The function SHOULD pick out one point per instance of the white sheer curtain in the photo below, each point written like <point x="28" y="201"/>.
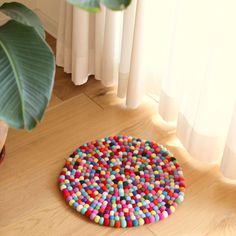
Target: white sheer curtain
<point x="183" y="51"/>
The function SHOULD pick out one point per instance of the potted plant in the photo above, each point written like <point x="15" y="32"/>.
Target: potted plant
<point x="27" y="70"/>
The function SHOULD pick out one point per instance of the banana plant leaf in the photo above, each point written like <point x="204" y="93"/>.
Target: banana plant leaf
<point x="116" y="5"/>
<point x="27" y="70"/>
<point x="95" y="5"/>
<point x="24" y="15"/>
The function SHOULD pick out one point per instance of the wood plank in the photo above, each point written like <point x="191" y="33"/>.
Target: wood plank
<point x="54" y="101"/>
<point x="81" y="107"/>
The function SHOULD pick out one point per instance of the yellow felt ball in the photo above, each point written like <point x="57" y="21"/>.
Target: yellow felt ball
<point x="71" y="202"/>
<point x="126" y="210"/>
<point x="172" y="209"/>
<point x="153" y="213"/>
<point x="141" y="221"/>
<point x="96" y="219"/>
<point x="139" y="204"/>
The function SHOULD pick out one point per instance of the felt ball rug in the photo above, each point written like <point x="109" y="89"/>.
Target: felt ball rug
<point x="122" y="181"/>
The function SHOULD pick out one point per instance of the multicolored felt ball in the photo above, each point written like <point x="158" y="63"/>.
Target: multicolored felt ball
<point x="122" y="181"/>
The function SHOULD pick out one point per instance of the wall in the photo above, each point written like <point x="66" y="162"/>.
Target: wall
<point x="48" y="11"/>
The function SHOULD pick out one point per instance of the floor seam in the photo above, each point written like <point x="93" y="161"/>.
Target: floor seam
<point x="151" y="231"/>
<point x="67" y="100"/>
<point x="91" y="99"/>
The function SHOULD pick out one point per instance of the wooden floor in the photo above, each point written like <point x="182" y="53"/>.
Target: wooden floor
<point x="31" y="204"/>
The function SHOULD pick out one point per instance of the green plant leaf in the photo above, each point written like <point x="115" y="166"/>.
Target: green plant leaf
<point x="24" y="15"/>
<point x="89" y="5"/>
<point x="116" y="5"/>
<point x="94" y="5"/>
<point x="27" y="71"/>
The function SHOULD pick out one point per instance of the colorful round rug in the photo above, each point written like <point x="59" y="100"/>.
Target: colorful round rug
<point x="122" y="181"/>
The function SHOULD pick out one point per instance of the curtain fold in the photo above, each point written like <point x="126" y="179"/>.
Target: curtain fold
<point x="126" y="52"/>
<point x="229" y="158"/>
<point x="82" y="50"/>
<point x="183" y="52"/>
<point x="111" y="47"/>
<point x="64" y="37"/>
